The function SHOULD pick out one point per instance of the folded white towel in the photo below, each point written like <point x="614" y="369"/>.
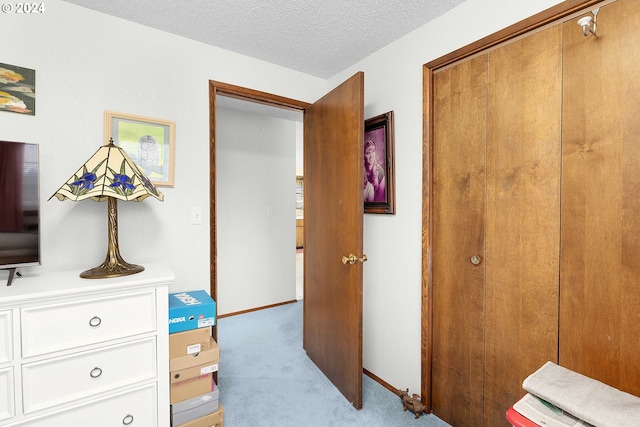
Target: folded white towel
<point x="583" y="397"/>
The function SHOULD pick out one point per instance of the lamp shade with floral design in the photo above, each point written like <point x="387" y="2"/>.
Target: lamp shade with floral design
<point x="109" y="175"/>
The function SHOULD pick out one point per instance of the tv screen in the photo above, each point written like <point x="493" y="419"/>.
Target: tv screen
<point x="19" y="205"/>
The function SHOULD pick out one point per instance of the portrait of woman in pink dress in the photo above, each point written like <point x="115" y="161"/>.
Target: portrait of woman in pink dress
<point x="374" y="173"/>
<point x="378" y="179"/>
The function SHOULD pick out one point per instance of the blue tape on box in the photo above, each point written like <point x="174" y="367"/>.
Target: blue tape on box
<point x="191" y="310"/>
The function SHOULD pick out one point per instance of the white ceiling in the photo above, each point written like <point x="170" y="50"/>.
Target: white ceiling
<point x="317" y="37"/>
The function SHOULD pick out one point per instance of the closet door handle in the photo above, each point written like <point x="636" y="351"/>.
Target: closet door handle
<point x="476" y="260"/>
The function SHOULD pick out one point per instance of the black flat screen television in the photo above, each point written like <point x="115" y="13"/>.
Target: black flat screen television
<point x="19" y="206"/>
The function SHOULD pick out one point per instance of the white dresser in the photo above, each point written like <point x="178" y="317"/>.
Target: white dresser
<point x="85" y="352"/>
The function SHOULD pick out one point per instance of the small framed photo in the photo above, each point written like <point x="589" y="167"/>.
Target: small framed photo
<point x="379" y="170"/>
<point x="149" y="142"/>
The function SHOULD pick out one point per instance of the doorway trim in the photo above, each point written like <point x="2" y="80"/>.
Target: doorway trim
<point x="526" y="26"/>
<point x="245" y="94"/>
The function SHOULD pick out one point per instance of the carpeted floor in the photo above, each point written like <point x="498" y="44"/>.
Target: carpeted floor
<point x="267" y="380"/>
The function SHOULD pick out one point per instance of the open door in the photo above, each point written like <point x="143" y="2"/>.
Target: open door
<point x="333" y="211"/>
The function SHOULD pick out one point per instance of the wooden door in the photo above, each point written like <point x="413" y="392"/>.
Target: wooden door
<point x="458" y="234"/>
<point x="524" y="89"/>
<point x="496" y="226"/>
<point x="600" y="270"/>
<point x="333" y="212"/>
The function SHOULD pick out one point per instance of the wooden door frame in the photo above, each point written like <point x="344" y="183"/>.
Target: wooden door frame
<point x="549" y="16"/>
<point x="250" y="95"/>
<point x="245" y="94"/>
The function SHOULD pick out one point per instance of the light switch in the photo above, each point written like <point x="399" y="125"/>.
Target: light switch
<point x="196" y="215"/>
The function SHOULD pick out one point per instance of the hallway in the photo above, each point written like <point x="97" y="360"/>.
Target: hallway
<point x="299" y="274"/>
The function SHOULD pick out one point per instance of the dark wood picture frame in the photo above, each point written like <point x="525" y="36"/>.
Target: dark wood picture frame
<point x="379" y="167"/>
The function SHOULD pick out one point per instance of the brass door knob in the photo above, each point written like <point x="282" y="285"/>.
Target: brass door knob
<point x="352" y="259"/>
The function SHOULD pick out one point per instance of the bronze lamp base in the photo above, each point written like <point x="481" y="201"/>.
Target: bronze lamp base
<point x="106" y="270"/>
<point x="114" y="265"/>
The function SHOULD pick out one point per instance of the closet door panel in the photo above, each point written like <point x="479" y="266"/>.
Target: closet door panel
<point x="458" y="235"/>
<point x="523" y="215"/>
<point x="600" y="271"/>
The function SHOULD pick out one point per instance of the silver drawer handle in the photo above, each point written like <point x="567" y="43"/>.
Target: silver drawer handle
<point x="95" y="372"/>
<point x="127" y="420"/>
<point x="95" y="321"/>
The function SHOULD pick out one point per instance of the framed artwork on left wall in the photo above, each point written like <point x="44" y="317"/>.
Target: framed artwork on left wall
<point x="17" y="89"/>
<point x="149" y="142"/>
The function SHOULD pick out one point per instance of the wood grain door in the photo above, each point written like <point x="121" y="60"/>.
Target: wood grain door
<point x="600" y="270"/>
<point x="459" y="165"/>
<point x="524" y="88"/>
<point x="333" y="211"/>
<point x="496" y="227"/>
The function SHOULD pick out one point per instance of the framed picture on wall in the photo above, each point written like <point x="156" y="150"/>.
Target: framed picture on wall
<point x="379" y="171"/>
<point x="17" y="89"/>
<point x="149" y="142"/>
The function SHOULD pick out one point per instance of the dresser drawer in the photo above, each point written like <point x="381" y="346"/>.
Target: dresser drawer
<point x="137" y="408"/>
<point x="50" y="328"/>
<point x="6" y="337"/>
<point x="6" y="394"/>
<point x="63" y="379"/>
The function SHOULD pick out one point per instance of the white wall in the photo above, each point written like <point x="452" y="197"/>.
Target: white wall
<point x="393" y="244"/>
<point x="86" y="63"/>
<point x="256" y="171"/>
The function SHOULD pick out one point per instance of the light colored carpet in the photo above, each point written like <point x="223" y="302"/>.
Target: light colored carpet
<point x="267" y="380"/>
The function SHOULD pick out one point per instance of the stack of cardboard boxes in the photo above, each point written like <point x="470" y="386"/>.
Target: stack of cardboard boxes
<point x="193" y="358"/>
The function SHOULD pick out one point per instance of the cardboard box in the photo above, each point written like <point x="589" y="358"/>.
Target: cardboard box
<point x="189" y="342"/>
<point x="212" y="420"/>
<point x="207" y="357"/>
<point x="191" y="310"/>
<point x="198" y="407"/>
<point x="190" y="388"/>
<point x="195" y="371"/>
<point x="188" y="404"/>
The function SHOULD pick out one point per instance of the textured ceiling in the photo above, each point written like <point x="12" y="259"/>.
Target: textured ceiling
<point x="317" y="37"/>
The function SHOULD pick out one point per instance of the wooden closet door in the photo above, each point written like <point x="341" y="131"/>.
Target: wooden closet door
<point x="600" y="271"/>
<point x="523" y="215"/>
<point x="496" y="195"/>
<point x="458" y="234"/>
